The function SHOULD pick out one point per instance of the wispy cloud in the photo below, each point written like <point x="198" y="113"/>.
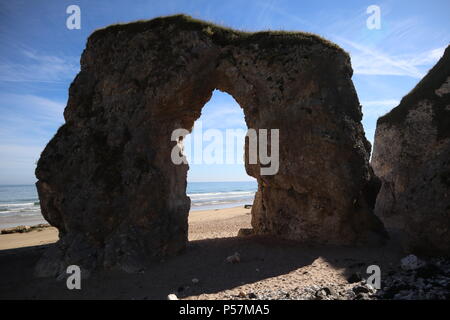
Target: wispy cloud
<point x="370" y="61"/>
<point x="427" y="58"/>
<point x="268" y="9"/>
<point x="37" y="67"/>
<point x="222" y="116"/>
<point x="28" y="122"/>
<point x="372" y="53"/>
<point x="28" y="119"/>
<point x="262" y="16"/>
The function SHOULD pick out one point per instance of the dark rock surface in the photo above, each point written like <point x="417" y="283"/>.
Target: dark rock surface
<point x="106" y="179"/>
<point x="412" y="158"/>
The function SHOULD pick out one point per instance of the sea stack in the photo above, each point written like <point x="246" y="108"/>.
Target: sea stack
<point x="106" y="179"/>
<point x="412" y="159"/>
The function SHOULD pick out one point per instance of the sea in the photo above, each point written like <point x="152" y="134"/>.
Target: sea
<point x="19" y="204"/>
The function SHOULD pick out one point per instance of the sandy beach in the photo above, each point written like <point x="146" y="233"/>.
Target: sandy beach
<point x="266" y="264"/>
<point x="204" y="224"/>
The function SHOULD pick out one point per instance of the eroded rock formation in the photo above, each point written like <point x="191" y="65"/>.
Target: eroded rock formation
<point x="106" y="179"/>
<point x="412" y="158"/>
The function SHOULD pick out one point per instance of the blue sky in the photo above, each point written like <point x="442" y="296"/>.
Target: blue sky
<point x="39" y="57"/>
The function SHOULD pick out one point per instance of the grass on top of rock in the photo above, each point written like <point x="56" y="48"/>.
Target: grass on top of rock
<point x="425" y="90"/>
<point x="219" y="34"/>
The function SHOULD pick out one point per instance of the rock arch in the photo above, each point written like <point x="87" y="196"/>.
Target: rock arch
<point x="106" y="180"/>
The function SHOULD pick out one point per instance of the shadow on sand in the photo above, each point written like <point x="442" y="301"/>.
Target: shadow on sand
<point x="261" y="258"/>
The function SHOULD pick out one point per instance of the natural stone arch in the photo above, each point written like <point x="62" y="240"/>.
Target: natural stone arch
<point x="106" y="180"/>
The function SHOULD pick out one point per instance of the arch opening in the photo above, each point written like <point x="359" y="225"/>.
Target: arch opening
<point x="216" y="178"/>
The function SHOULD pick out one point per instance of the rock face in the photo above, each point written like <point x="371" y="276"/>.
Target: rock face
<point x="106" y="179"/>
<point x="412" y="158"/>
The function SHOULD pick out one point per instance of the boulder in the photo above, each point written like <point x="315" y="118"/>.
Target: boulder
<point x="235" y="258"/>
<point x="245" y="232"/>
<point x="172" y="296"/>
<point x="412" y="158"/>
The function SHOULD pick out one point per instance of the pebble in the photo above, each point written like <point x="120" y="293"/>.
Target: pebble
<point x="411" y="283"/>
<point x="411" y="262"/>
<point x="235" y="258"/>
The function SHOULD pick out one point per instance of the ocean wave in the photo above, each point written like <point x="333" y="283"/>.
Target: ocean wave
<point x="221" y="195"/>
<point x="221" y="202"/>
<point x="27" y="214"/>
<point x="15" y="209"/>
<point x="19" y="200"/>
<point x="18" y="204"/>
<point x="31" y="207"/>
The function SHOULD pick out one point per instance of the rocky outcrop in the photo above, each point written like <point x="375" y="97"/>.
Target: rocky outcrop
<point x="412" y="158"/>
<point x="106" y="179"/>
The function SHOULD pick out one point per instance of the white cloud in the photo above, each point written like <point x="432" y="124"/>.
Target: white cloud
<point x="28" y="122"/>
<point x="427" y="58"/>
<point x="36" y="67"/>
<point x="269" y="7"/>
<point x="28" y="119"/>
<point x="30" y="108"/>
<point x="222" y="116"/>
<point x="370" y="61"/>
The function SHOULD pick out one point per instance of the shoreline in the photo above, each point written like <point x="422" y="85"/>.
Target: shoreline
<point x="202" y="223"/>
<point x="19" y="204"/>
<point x="33" y="220"/>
